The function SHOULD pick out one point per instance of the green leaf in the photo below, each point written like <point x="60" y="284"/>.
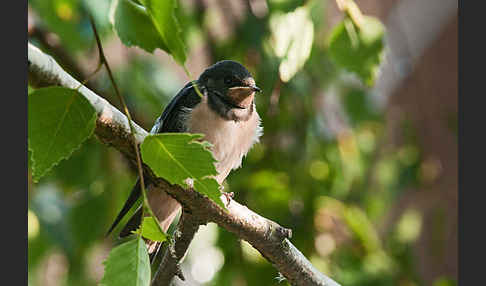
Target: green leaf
<point x="127" y="264"/>
<point x="134" y="26"/>
<point x="292" y="36"/>
<point x="179" y="156"/>
<point x="60" y="119"/>
<point x="150" y="230"/>
<point x="358" y="49"/>
<point x="210" y="188"/>
<point x="362" y="227"/>
<point x="164" y="19"/>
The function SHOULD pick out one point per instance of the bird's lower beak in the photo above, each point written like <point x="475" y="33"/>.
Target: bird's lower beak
<point x="256" y="88"/>
<point x="243" y="96"/>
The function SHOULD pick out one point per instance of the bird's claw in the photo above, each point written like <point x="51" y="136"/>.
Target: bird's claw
<point x="229" y="196"/>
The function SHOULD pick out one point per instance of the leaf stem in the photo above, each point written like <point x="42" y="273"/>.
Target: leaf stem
<point x="352" y="11"/>
<point x="103" y="61"/>
<point x="192" y="82"/>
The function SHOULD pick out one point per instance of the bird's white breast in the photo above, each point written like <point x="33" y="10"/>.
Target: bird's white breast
<point x="231" y="140"/>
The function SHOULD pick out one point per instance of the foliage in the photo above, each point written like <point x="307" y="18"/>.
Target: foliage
<point x="358" y="48"/>
<point x="177" y="157"/>
<point x="60" y="119"/>
<point x="320" y="169"/>
<point x="128" y="19"/>
<point x="162" y="14"/>
<point x="292" y="35"/>
<point x="149" y="230"/>
<point x="128" y="264"/>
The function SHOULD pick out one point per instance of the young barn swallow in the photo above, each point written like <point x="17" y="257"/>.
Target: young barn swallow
<point x="226" y="115"/>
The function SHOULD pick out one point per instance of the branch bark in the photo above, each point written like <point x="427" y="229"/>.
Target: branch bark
<point x="169" y="267"/>
<point x="112" y="128"/>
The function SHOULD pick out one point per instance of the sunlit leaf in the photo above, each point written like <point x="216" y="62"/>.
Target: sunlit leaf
<point x="150" y="230"/>
<point x="358" y="49"/>
<point x="177" y="157"/>
<point x="361" y="226"/>
<point x="33" y="225"/>
<point x="133" y="25"/>
<point x="127" y="265"/>
<point x="292" y="37"/>
<point x="409" y="227"/>
<point x="164" y="19"/>
<point x="98" y="9"/>
<point x="59" y="119"/>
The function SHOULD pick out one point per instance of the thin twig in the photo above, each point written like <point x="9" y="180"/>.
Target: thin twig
<point x="132" y="131"/>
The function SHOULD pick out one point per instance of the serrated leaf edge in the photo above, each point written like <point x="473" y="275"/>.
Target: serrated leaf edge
<point x="36" y="177"/>
<point x="205" y="145"/>
<point x="138" y="260"/>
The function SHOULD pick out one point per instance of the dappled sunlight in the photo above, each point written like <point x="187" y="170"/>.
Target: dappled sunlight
<point x="358" y="154"/>
<point x="32" y="225"/>
<point x="292" y="36"/>
<point x="409" y="226"/>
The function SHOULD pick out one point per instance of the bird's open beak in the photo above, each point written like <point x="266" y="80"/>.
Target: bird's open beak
<point x="243" y="96"/>
<point x="256" y="88"/>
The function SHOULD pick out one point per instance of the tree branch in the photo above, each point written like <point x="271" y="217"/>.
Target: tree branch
<point x="269" y="238"/>
<point x="169" y="267"/>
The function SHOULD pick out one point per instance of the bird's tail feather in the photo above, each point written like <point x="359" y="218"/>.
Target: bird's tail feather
<point x="132" y="224"/>
<point x="164" y="207"/>
<point x="134" y="195"/>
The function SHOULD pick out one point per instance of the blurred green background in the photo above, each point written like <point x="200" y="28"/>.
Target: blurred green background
<point x="366" y="177"/>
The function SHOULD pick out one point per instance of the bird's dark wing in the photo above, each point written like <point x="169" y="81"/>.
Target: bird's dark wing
<point x="171" y="120"/>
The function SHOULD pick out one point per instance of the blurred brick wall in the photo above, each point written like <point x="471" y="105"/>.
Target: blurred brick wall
<point x="427" y="98"/>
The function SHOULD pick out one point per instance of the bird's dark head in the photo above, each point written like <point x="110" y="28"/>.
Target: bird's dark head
<point x="230" y="89"/>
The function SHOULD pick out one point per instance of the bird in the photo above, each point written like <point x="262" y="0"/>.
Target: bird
<point x="227" y="117"/>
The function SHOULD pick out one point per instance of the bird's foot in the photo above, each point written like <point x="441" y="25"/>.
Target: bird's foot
<point x="229" y="196"/>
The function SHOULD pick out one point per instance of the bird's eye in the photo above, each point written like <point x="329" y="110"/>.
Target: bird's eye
<point x="228" y="80"/>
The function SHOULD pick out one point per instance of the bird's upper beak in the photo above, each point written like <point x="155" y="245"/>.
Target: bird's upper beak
<point x="243" y="96"/>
